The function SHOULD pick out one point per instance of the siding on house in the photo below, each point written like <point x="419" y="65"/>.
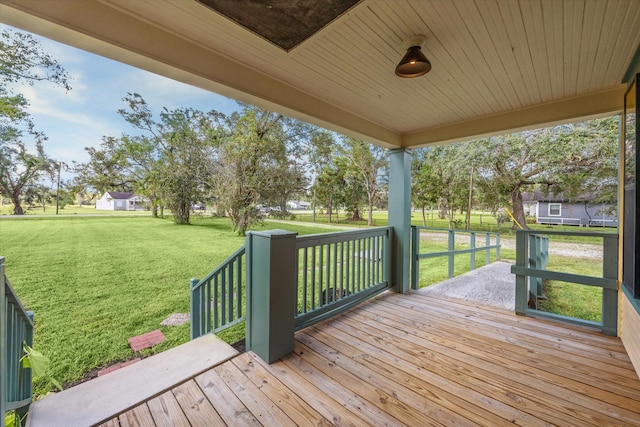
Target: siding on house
<point x="581" y="213"/>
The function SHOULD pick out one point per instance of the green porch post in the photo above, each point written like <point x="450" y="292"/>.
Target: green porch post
<point x="271" y="293"/>
<point x="400" y="216"/>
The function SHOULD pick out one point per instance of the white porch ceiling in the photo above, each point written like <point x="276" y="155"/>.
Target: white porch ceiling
<point x="498" y="65"/>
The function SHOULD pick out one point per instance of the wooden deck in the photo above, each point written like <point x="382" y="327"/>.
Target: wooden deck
<point x="415" y="360"/>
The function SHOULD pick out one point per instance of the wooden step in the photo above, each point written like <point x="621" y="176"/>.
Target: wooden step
<point x="100" y="399"/>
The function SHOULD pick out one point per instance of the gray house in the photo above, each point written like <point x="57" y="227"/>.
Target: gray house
<point x="559" y="210"/>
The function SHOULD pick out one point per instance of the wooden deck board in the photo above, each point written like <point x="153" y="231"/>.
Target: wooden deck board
<point x="166" y="411"/>
<point x="195" y="405"/>
<point x="416" y="360"/>
<point x="230" y="408"/>
<point x="297" y="409"/>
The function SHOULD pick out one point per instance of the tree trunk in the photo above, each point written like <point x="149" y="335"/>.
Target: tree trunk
<point x="329" y="209"/>
<point x="17" y="207"/>
<point x="424" y="218"/>
<point x="370" y="219"/>
<point x="442" y="208"/>
<point x="356" y="215"/>
<point x="518" y="210"/>
<point x="154" y="210"/>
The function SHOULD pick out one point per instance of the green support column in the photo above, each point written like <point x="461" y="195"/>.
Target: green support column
<point x="271" y="293"/>
<point x="400" y="216"/>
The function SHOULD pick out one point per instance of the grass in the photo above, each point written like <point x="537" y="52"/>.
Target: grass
<point x="7" y="209"/>
<point x="93" y="282"/>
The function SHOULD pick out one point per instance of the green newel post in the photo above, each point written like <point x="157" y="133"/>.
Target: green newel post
<point x="400" y="217"/>
<point x="271" y="293"/>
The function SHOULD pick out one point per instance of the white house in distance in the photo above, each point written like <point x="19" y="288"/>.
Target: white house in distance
<point x="120" y="201"/>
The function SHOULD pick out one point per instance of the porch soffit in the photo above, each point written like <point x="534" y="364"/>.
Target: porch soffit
<point x="498" y="65"/>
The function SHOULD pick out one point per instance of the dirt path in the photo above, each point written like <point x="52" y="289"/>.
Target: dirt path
<point x="570" y="249"/>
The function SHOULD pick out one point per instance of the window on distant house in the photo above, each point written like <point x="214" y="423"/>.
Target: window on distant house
<point x="554" y="209"/>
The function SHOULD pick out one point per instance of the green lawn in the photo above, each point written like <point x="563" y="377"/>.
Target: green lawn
<point x="7" y="209"/>
<point x="93" y="282"/>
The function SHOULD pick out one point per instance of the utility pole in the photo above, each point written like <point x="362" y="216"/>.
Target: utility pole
<point x="58" y="189"/>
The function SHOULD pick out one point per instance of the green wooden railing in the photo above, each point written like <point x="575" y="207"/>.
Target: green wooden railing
<point x="531" y="262"/>
<point x="339" y="270"/>
<point x="451" y="251"/>
<point x="217" y="301"/>
<point x="335" y="271"/>
<point x="16" y="328"/>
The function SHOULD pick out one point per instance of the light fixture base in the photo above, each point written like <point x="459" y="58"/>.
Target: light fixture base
<point x="417" y="40"/>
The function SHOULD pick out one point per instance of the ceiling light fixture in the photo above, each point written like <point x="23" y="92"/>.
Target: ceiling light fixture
<point x="414" y="63"/>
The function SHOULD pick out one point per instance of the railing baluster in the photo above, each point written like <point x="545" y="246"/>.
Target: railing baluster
<point x="206" y="303"/>
<point x="230" y="293"/>
<point x="303" y="291"/>
<point x="320" y="274"/>
<point x="239" y="288"/>
<point x="487" y="243"/>
<point x="313" y="277"/>
<point x="472" y="257"/>
<point x="216" y="301"/>
<point x="335" y="271"/>
<point x="343" y="291"/>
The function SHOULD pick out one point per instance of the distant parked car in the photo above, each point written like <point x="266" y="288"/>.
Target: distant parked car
<point x="197" y="207"/>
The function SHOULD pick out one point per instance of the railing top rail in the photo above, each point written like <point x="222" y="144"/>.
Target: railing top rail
<point x="569" y="233"/>
<point x="341" y="236"/>
<point x="420" y="227"/>
<point x="223" y="264"/>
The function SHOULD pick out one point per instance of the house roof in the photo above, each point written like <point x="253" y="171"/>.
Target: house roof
<point x="119" y="195"/>
<point x="498" y="66"/>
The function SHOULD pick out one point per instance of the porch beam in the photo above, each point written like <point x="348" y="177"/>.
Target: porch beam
<point x="400" y="217"/>
<point x="547" y="114"/>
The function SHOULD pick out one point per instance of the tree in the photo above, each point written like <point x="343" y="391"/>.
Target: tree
<point x="256" y="161"/>
<point x="574" y="160"/>
<point x="363" y="162"/>
<point x="441" y="176"/>
<point x="22" y="61"/>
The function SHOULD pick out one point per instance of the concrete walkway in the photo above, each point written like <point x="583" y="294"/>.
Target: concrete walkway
<point x="492" y="284"/>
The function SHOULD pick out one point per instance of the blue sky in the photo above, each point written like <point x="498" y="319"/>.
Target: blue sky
<point x="81" y="117"/>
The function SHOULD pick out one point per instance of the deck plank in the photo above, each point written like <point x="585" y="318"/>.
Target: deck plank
<point x="251" y="396"/>
<point x="340" y="390"/>
<point x="166" y="411"/>
<point x="111" y="423"/>
<point x="137" y="417"/>
<point x="296" y="408"/>
<point x="304" y="387"/>
<point x="226" y="403"/>
<point x="195" y="405"/>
